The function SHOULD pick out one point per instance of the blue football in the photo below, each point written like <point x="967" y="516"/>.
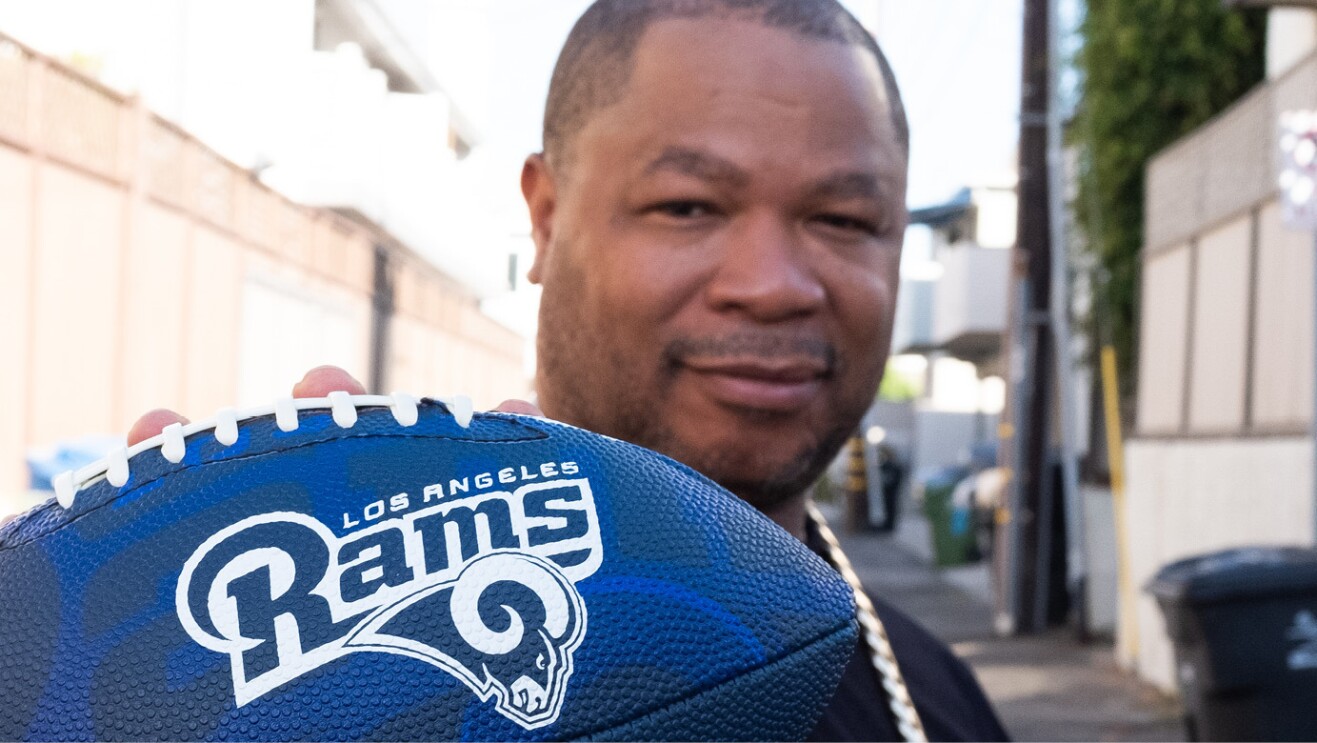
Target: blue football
<point x="383" y="568"/>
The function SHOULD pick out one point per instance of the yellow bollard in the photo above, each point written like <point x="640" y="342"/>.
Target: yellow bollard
<point x="857" y="486"/>
<point x="1116" y="459"/>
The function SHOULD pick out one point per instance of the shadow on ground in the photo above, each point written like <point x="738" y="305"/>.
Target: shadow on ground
<point x="1045" y="687"/>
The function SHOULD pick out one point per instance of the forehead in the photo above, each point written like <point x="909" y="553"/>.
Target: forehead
<point x="737" y="85"/>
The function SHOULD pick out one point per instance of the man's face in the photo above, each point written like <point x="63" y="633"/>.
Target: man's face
<point x="719" y="255"/>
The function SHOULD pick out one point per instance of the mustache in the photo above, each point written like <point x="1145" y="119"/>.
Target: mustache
<point x="758" y="345"/>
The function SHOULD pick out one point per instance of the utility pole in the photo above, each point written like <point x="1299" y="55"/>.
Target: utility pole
<point x="1032" y="351"/>
<point x="1076" y="577"/>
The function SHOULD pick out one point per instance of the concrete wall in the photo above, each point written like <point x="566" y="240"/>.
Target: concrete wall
<point x="442" y="344"/>
<point x="1282" y="385"/>
<point x="138" y="269"/>
<point x="1227" y="330"/>
<point x="1222" y="454"/>
<point x="1218" y="356"/>
<point x="1291" y="36"/>
<point x="1163" y="352"/>
<point x="1227" y="167"/>
<point x="1187" y="497"/>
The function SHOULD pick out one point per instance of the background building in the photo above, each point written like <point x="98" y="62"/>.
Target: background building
<point x="301" y="201"/>
<point x="1222" y="454"/>
<point x="950" y="320"/>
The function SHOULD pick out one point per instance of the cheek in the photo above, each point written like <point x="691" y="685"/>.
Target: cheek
<point x="642" y="290"/>
<point x="864" y="303"/>
<point x="864" y="293"/>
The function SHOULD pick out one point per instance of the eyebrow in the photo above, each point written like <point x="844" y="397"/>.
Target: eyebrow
<point x="700" y="165"/>
<point x="855" y="185"/>
<point x="708" y="167"/>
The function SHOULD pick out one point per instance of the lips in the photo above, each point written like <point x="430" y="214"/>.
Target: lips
<point x="769" y="385"/>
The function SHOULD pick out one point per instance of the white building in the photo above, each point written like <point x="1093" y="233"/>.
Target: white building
<point x="147" y="261"/>
<point x="337" y="103"/>
<point x="953" y="301"/>
<point x="950" y="321"/>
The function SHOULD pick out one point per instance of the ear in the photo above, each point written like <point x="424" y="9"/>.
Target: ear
<point x="541" y="194"/>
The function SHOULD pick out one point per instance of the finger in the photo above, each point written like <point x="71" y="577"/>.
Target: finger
<point x="152" y="424"/>
<point x="322" y="380"/>
<point x="520" y="407"/>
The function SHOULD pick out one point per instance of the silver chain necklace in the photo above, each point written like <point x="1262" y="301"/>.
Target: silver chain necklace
<point x="875" y="636"/>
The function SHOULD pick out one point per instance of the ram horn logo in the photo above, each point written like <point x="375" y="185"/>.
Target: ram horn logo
<point x="483" y="587"/>
<point x="507" y="626"/>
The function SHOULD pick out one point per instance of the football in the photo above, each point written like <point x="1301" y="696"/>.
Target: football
<point x="387" y="568"/>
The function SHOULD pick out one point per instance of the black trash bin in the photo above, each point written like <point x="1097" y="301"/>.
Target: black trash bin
<point x="1244" y="625"/>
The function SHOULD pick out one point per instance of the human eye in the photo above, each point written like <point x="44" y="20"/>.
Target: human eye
<point x="683" y="209"/>
<point x="848" y="224"/>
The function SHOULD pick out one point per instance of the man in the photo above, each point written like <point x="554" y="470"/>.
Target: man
<point x="718" y="216"/>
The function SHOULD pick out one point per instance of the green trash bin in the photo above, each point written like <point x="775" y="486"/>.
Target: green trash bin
<point x="951" y="529"/>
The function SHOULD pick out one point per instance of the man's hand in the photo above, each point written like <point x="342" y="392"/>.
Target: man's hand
<point x="318" y="382"/>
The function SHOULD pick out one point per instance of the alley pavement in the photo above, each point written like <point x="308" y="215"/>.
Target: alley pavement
<point x="1046" y="687"/>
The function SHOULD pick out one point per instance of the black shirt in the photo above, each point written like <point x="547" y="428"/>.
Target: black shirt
<point x="949" y="699"/>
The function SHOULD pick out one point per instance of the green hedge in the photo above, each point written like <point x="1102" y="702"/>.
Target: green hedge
<point x="1152" y="71"/>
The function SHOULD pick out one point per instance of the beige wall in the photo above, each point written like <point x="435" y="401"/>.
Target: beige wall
<point x="1188" y="497"/>
<point x="15" y="310"/>
<point x="1236" y="305"/>
<point x="1283" y="355"/>
<point x="443" y="347"/>
<point x="75" y="299"/>
<point x="1220" y="328"/>
<point x="1225" y="168"/>
<point x="1165" y="321"/>
<point x="1249" y="334"/>
<point x="1291" y="36"/>
<point x="140" y="270"/>
<point x="1223" y="454"/>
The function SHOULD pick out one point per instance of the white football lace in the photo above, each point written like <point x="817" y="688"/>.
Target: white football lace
<point x="875" y="637"/>
<point x="172" y="441"/>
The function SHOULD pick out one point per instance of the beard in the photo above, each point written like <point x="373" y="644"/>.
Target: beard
<point x="762" y="482"/>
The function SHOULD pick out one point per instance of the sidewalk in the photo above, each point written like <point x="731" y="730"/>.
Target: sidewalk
<point x="1046" y="687"/>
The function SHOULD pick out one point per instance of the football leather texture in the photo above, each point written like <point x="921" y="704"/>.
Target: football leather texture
<point x="396" y="572"/>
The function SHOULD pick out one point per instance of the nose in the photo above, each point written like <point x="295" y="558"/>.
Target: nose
<point x="765" y="273"/>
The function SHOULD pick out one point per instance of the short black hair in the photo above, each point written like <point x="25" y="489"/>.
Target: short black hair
<point x="596" y="61"/>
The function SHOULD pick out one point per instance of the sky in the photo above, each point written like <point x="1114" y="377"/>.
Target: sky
<point x="956" y="61"/>
<point x="958" y="65"/>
